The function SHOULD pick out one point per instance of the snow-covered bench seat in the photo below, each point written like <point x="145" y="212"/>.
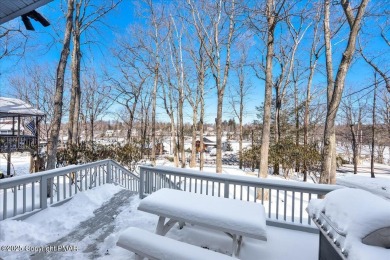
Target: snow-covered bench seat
<point x="153" y="246"/>
<point x="236" y="218"/>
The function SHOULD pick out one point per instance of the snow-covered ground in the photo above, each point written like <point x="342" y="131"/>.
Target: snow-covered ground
<point x="53" y="223"/>
<point x="20" y="163"/>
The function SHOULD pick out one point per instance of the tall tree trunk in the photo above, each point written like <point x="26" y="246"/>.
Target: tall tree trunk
<point x="194" y="135"/>
<point x="296" y="110"/>
<point x="335" y="88"/>
<point x="307" y="115"/>
<point x="219" y="131"/>
<point x="354" y="149"/>
<point x="154" y="101"/>
<point x="265" y="140"/>
<point x="76" y="86"/>
<point x="60" y="78"/>
<point x="241" y="123"/>
<point x="181" y="128"/>
<point x="174" y="142"/>
<point x="201" y="125"/>
<point x="74" y="108"/>
<point x="373" y="130"/>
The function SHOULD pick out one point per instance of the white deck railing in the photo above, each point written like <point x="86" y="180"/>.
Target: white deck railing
<point x="285" y="202"/>
<point x="24" y="195"/>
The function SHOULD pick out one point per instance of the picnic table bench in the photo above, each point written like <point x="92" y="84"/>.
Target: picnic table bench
<point x="153" y="246"/>
<point x="236" y="218"/>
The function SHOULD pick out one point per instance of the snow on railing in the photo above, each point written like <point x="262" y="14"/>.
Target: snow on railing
<point x="22" y="196"/>
<point x="285" y="202"/>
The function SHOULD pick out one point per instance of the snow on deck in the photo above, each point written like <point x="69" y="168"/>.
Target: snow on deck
<point x="94" y="234"/>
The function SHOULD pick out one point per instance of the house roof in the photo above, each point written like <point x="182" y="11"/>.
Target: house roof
<point x="10" y="107"/>
<point x="10" y="9"/>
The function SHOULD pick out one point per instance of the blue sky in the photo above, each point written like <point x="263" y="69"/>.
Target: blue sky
<point x="99" y="55"/>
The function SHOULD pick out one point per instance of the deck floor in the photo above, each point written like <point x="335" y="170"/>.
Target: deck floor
<point x="96" y="237"/>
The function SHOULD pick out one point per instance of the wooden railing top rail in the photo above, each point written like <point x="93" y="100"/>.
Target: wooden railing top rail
<point x="246" y="180"/>
<point x="28" y="178"/>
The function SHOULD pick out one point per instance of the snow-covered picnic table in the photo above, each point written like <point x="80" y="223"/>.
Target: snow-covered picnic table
<point x="236" y="218"/>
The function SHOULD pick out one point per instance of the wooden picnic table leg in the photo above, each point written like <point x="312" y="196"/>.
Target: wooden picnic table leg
<point x="181" y="224"/>
<point x="236" y="245"/>
<point x="162" y="227"/>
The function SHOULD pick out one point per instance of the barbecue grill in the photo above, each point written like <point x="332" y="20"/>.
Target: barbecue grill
<point x="331" y="239"/>
<point x="340" y="220"/>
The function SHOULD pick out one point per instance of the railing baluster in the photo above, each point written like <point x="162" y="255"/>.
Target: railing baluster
<point x="269" y="202"/>
<point x="277" y="204"/>
<point x="285" y="205"/>
<point x="51" y="190"/>
<point x="300" y="207"/>
<point x="309" y="219"/>
<point x="24" y="197"/>
<point x="58" y="188"/>
<point x="262" y="196"/>
<point x="33" y="196"/>
<point x="76" y="177"/>
<point x="15" y="200"/>
<point x="5" y="204"/>
<point x="293" y="206"/>
<point x="64" y="186"/>
<point x="86" y="172"/>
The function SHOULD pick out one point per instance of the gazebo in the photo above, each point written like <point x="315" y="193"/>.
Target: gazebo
<point x="19" y="128"/>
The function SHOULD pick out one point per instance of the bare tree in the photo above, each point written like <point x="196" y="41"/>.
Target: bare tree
<point x="88" y="13"/>
<point x="169" y="91"/>
<point x="199" y="58"/>
<point x="96" y="99"/>
<point x="36" y="86"/>
<point x="354" y="113"/>
<point x="273" y="12"/>
<point x="133" y="66"/>
<point x="315" y="51"/>
<point x="240" y="93"/>
<point x="58" y="98"/>
<point x="175" y="37"/>
<point x="373" y="128"/>
<point x="221" y="15"/>
<point x="12" y="41"/>
<point x="335" y="86"/>
<point x="156" y="15"/>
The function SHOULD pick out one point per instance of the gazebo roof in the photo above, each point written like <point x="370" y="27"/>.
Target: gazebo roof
<point x="10" y="107"/>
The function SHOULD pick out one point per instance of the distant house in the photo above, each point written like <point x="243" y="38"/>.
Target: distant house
<point x="109" y="133"/>
<point x="234" y="145"/>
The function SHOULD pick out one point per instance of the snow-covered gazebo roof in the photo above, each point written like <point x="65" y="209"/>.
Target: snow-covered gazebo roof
<point x="11" y="107"/>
